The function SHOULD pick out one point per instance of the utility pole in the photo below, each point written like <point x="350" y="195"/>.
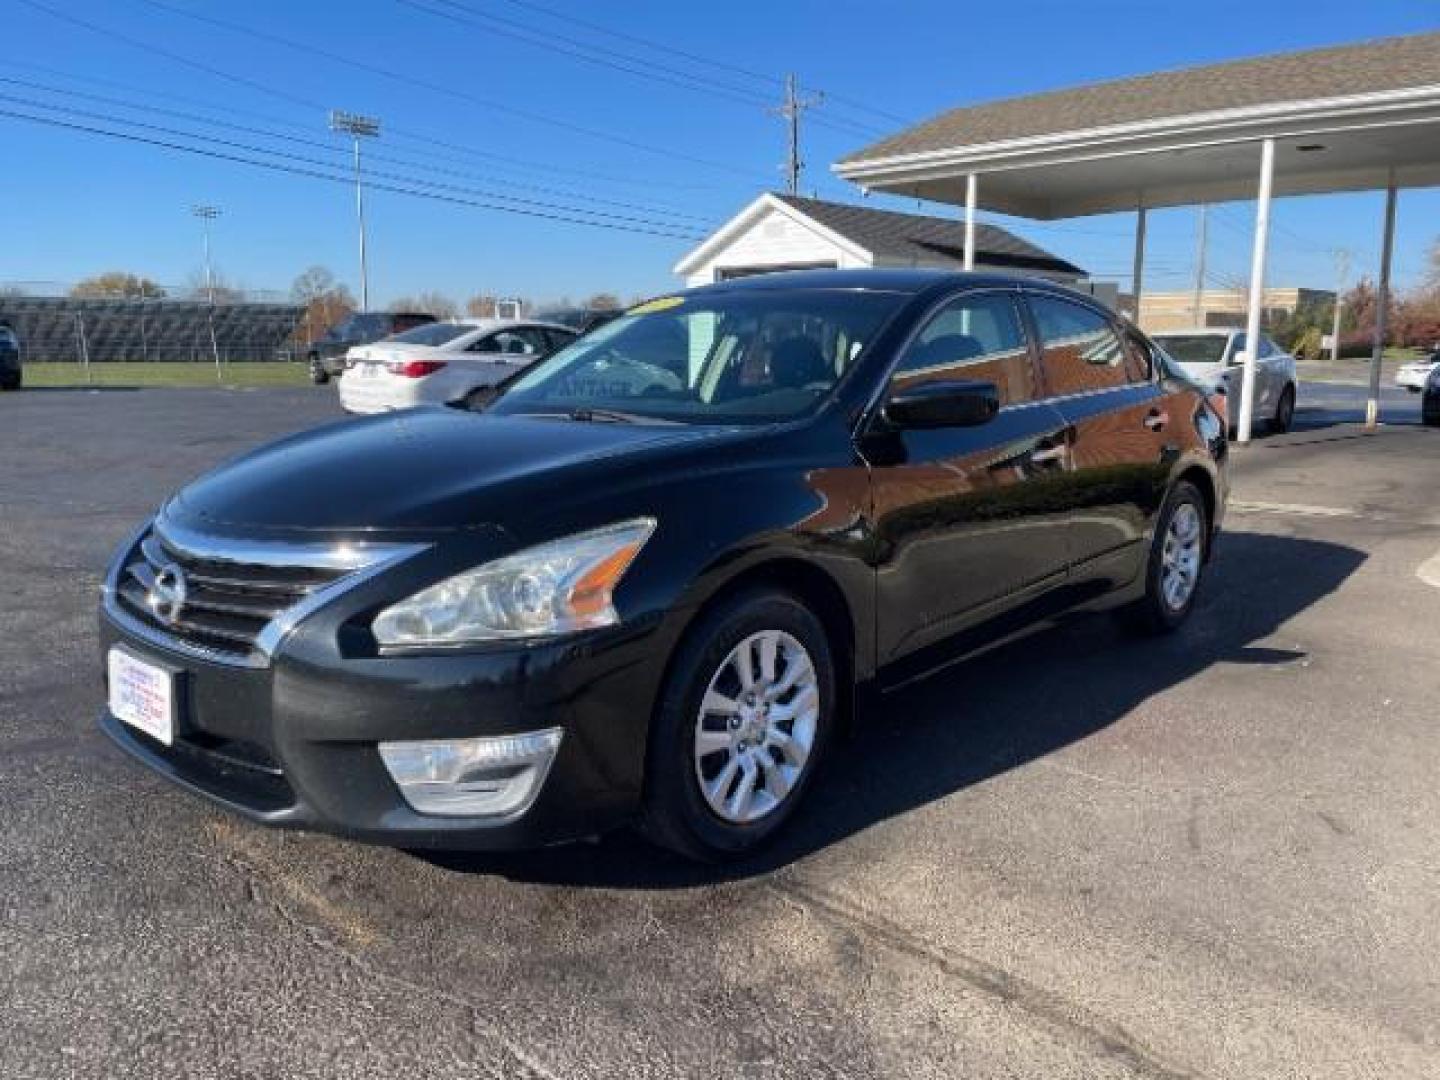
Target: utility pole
<point x="207" y="214"/>
<point x="1342" y="273"/>
<point x="1201" y="238"/>
<point x="793" y="106"/>
<point x="358" y="127"/>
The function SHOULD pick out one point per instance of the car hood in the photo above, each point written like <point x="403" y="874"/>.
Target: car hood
<point x="433" y="468"/>
<point x="1209" y="375"/>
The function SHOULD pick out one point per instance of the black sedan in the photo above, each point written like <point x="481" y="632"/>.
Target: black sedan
<point x="647" y="583"/>
<point x="11" y="372"/>
<point x="1430" y="399"/>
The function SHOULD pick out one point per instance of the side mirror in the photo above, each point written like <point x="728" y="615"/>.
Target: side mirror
<point x="943" y="404"/>
<point x="1238" y="360"/>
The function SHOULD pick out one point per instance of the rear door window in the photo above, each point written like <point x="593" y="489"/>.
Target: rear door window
<point x="977" y="337"/>
<point x="1080" y="350"/>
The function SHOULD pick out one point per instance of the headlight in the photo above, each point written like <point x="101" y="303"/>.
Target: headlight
<point x="555" y="588"/>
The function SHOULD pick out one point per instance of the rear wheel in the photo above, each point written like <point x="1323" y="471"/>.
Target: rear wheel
<point x="1284" y="412"/>
<point x="744" y="719"/>
<point x="10" y="382"/>
<point x="1177" y="558"/>
<point x="318" y="375"/>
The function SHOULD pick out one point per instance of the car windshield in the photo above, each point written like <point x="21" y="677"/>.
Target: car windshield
<point x="749" y="356"/>
<point x="1194" y="348"/>
<point x="437" y="333"/>
<point x="359" y="326"/>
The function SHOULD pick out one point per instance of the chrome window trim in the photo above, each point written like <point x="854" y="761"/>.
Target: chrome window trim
<point x="378" y="558"/>
<point x="872" y="405"/>
<point x="272" y="553"/>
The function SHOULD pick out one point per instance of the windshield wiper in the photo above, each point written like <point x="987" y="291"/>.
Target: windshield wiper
<point x="585" y="414"/>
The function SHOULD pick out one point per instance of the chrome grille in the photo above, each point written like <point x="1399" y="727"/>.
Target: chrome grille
<point x="226" y="603"/>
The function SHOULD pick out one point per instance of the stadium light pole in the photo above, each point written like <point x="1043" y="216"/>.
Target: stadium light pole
<point x="358" y="127"/>
<point x="207" y="214"/>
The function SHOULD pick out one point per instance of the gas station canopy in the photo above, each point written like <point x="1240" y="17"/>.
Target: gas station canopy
<point x="1350" y="118"/>
<point x="1345" y="119"/>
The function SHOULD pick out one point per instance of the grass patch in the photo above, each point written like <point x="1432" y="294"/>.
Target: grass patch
<point x="240" y="373"/>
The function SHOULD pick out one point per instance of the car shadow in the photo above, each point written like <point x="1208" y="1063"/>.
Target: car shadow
<point x="985" y="716"/>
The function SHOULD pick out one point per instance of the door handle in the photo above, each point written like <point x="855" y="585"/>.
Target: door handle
<point x="1044" y="455"/>
<point x="1156" y="419"/>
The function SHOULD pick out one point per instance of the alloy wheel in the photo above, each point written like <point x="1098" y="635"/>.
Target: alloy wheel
<point x="756" y="726"/>
<point x="1180" y="559"/>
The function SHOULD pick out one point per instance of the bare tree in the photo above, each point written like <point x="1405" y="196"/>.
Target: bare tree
<point x="431" y="303"/>
<point x="118" y="283"/>
<point x="603" y="301"/>
<point x="326" y="301"/>
<point x="481" y="306"/>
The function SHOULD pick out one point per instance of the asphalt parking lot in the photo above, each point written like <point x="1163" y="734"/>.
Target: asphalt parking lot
<point x="1213" y="855"/>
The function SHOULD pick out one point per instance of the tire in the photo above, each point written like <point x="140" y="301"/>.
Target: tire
<point x="1157" y="612"/>
<point x="677" y="814"/>
<point x="11" y="383"/>
<point x="1284" y="412"/>
<point x="318" y="375"/>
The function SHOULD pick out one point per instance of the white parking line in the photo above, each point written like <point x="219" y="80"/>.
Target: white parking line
<point x="1240" y="506"/>
<point x="1300" y="509"/>
<point x="1429" y="571"/>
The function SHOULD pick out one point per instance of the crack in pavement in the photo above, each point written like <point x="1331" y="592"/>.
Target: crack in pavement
<point x="258" y="870"/>
<point x="1070" y="1021"/>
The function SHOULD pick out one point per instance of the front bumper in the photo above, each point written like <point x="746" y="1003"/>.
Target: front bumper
<point x="293" y="743"/>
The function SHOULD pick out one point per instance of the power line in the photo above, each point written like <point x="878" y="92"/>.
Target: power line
<point x="332" y="148"/>
<point x="470" y="152"/>
<point x="569" y="46"/>
<point x="401" y="178"/>
<point x="411" y="80"/>
<point x="319" y="174"/>
<point x="698" y="58"/>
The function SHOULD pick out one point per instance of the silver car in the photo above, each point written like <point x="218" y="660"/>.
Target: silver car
<point x="1215" y="357"/>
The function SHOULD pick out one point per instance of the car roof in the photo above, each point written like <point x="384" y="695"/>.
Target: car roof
<point x="501" y="324"/>
<point x="1199" y="331"/>
<point x="900" y="280"/>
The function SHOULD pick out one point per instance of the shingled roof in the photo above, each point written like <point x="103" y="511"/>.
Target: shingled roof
<point x="888" y="234"/>
<point x="1371" y="67"/>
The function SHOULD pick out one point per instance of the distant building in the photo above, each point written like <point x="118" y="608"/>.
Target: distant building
<point x="1220" y="307"/>
<point x="786" y="232"/>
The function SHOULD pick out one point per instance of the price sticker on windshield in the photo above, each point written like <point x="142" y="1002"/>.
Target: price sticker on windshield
<point x="664" y="303"/>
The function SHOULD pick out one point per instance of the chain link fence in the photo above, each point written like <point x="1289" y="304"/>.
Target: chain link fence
<point x="150" y="330"/>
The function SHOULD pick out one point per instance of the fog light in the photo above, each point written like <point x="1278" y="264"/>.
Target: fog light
<point x="486" y="777"/>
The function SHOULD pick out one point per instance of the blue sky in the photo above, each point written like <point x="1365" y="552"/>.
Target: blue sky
<point x="475" y="96"/>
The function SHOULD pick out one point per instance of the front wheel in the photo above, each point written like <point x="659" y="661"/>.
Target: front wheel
<point x="1172" y="572"/>
<point x="1284" y="412"/>
<point x="744" y="718"/>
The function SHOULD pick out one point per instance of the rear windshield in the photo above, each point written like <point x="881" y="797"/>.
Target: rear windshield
<point x="1194" y="348"/>
<point x="437" y="333"/>
<point x="750" y="356"/>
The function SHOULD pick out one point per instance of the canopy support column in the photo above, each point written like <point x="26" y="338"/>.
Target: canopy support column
<point x="1387" y="251"/>
<point x="972" y="191"/>
<point x="1137" y="273"/>
<point x="1257" y="290"/>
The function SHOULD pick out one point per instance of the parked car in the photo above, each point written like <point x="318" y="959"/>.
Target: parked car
<point x="581" y="319"/>
<point x="326" y="356"/>
<point x="444" y="363"/>
<point x="11" y="372"/>
<point x="1430" y="400"/>
<point x="1214" y="357"/>
<point x="1413" y="375"/>
<point x="612" y="598"/>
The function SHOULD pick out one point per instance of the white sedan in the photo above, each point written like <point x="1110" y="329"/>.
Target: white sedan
<point x="1412" y="376"/>
<point x="1214" y="357"/>
<point x="443" y="363"/>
